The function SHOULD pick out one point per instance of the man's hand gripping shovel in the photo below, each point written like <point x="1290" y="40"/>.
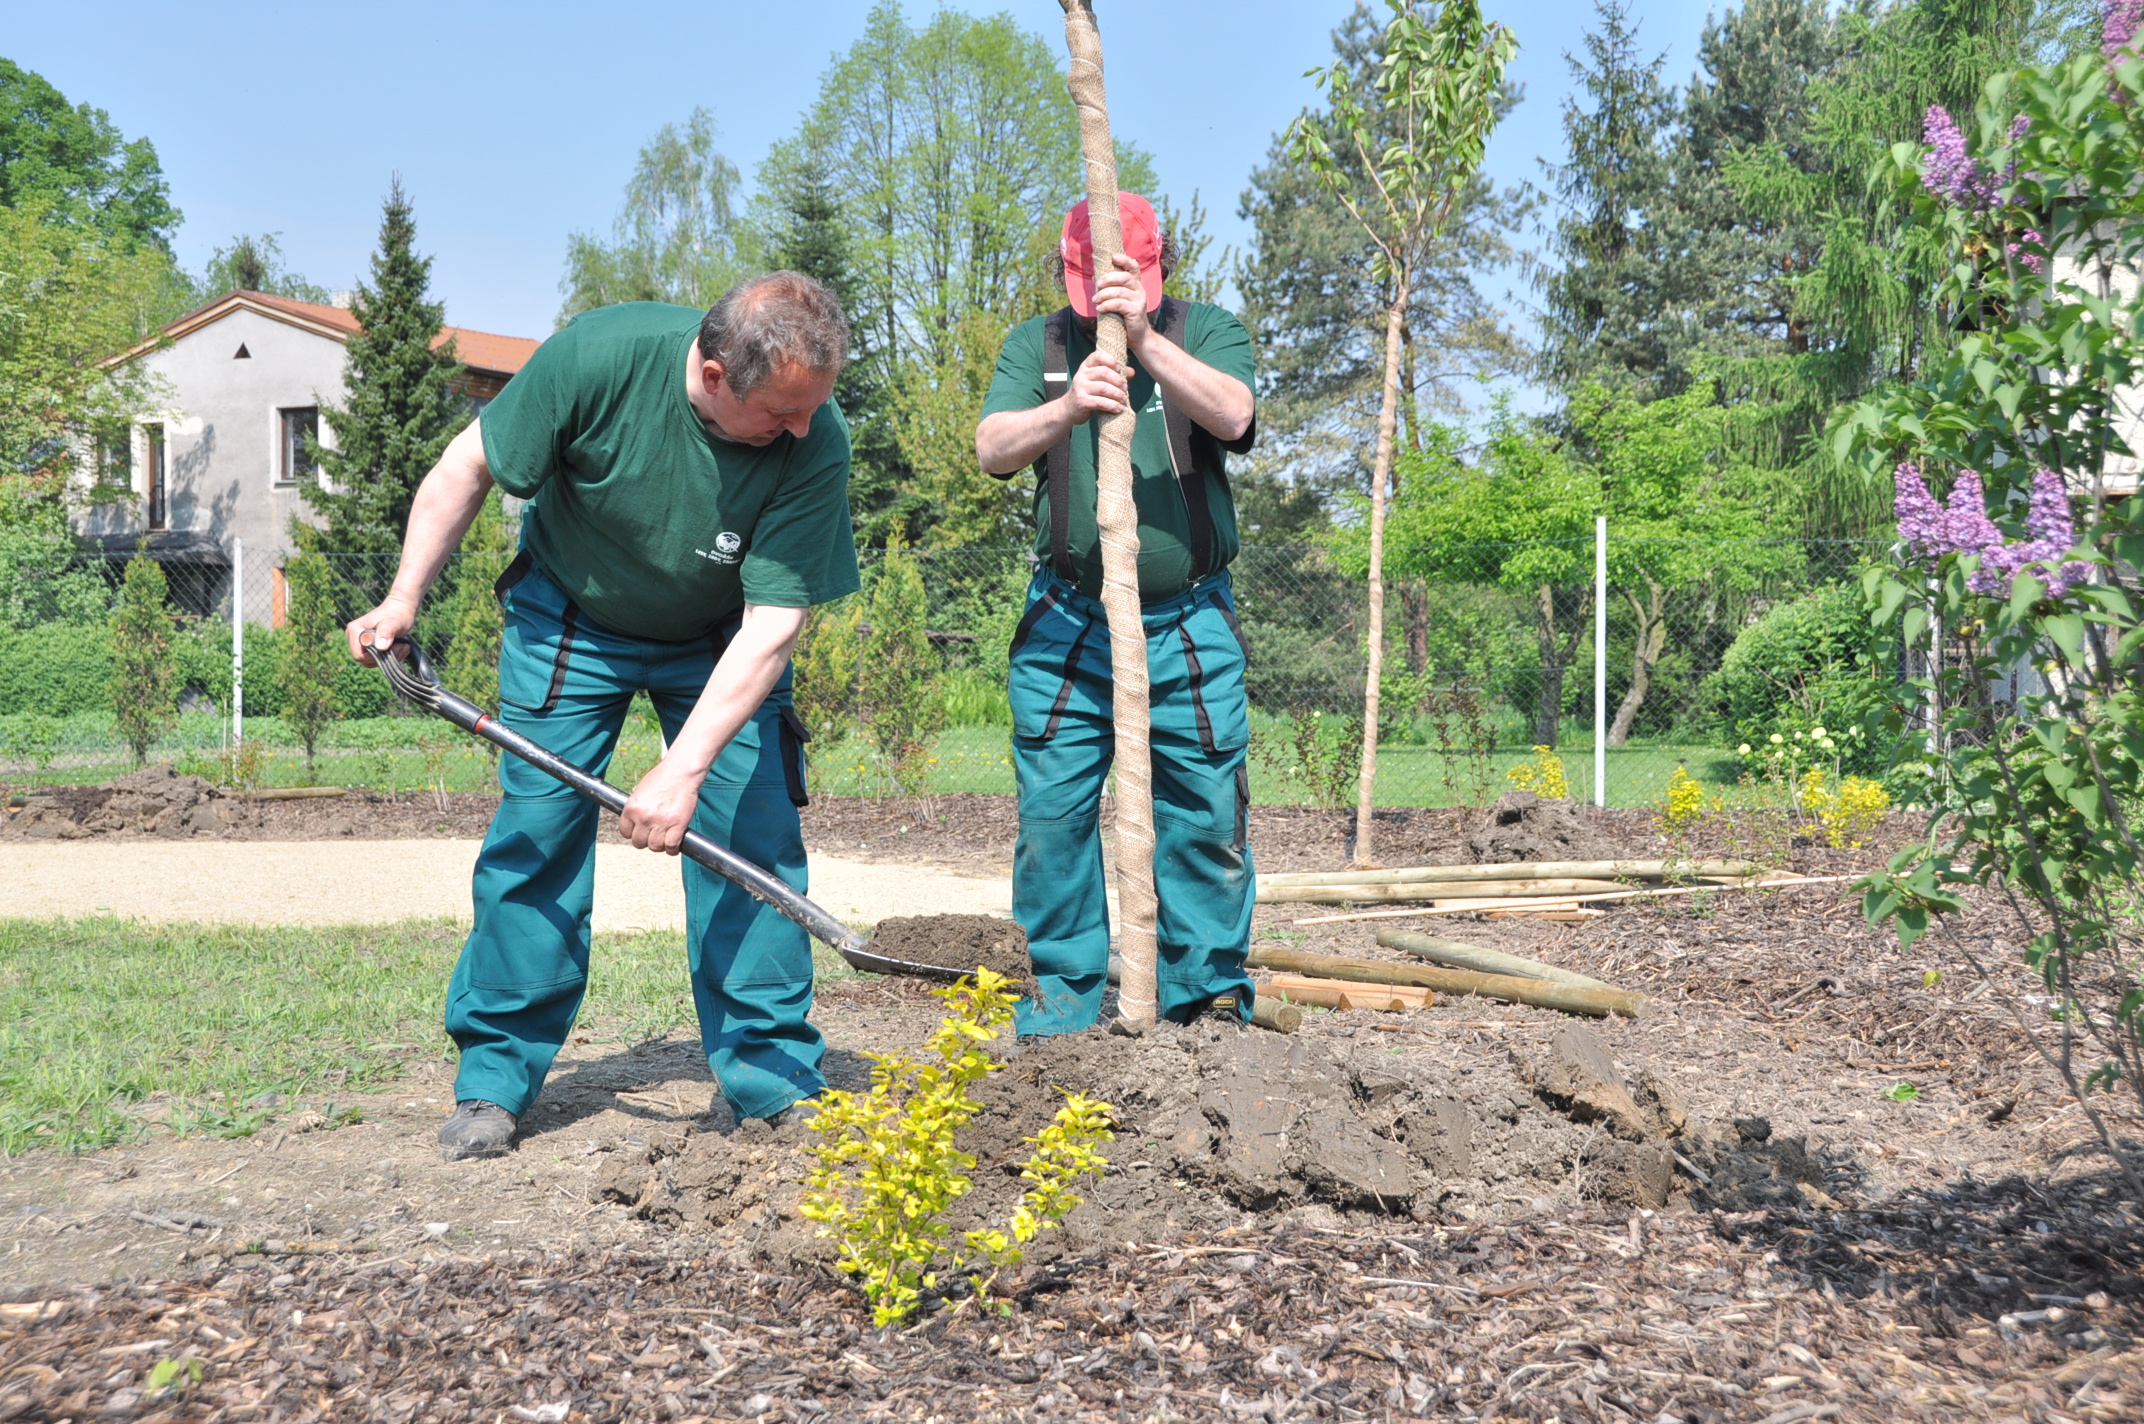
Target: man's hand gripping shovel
<point x="411" y="675"/>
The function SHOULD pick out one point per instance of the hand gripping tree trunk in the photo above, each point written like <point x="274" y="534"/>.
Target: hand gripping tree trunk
<point x="1118" y="518"/>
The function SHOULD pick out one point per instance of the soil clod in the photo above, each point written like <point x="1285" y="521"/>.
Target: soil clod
<point x="958" y="942"/>
<point x="1523" y="827"/>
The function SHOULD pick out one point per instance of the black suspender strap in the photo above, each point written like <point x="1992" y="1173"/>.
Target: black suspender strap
<point x="1170" y="320"/>
<point x="1056" y="380"/>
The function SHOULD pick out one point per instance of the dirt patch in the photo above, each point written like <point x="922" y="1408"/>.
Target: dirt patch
<point x="958" y="942"/>
<point x="157" y="803"/>
<point x="1920" y="1314"/>
<point x="1521" y="826"/>
<point x="1219" y="1126"/>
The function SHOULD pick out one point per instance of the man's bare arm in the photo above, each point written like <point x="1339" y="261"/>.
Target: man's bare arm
<point x="444" y="507"/>
<point x="660" y="809"/>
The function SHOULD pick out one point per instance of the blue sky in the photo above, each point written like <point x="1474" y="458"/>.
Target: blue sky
<point x="514" y="126"/>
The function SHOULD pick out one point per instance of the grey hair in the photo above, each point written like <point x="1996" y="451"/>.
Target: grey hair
<point x="765" y="323"/>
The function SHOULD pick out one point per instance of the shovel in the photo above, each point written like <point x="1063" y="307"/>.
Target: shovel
<point x="410" y="674"/>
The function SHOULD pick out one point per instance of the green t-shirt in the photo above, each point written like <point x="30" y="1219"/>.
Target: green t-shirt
<point x="1216" y="339"/>
<point x="655" y="527"/>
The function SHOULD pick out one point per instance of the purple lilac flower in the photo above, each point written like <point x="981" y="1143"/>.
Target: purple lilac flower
<point x="1963" y="527"/>
<point x="2020" y="251"/>
<point x="2119" y="25"/>
<point x="1920" y="518"/>
<point x="1949" y="172"/>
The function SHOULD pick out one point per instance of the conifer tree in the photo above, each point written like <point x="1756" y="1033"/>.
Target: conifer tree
<point x="314" y="654"/>
<point x="145" y="666"/>
<point x="401" y="406"/>
<point x="478" y="622"/>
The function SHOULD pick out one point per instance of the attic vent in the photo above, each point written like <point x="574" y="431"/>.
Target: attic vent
<point x="243" y="353"/>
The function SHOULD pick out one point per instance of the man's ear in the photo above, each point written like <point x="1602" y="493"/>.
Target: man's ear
<point x="711" y="373"/>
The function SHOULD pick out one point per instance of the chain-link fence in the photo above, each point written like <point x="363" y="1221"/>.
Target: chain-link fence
<point x="1489" y="654"/>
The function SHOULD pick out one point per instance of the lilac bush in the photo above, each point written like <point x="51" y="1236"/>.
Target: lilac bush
<point x="2118" y="25"/>
<point x="1963" y="527"/>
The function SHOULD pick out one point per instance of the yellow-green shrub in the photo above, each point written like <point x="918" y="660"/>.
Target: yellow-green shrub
<point x="1543" y="775"/>
<point x="889" y="1168"/>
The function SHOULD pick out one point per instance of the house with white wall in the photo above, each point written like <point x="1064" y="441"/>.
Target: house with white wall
<point x="243" y="380"/>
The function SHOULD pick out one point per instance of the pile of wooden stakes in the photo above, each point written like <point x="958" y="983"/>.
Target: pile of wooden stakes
<point x="1335" y="981"/>
<point x="1545" y="889"/>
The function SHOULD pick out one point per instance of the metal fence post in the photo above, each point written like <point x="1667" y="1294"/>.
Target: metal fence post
<point x="238" y="642"/>
<point x="1600" y="661"/>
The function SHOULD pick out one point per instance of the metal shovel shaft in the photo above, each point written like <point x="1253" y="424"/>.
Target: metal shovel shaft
<point x="411" y="676"/>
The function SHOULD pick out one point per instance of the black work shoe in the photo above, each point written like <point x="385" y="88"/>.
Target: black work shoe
<point x="477" y="1129"/>
<point x="803" y="1110"/>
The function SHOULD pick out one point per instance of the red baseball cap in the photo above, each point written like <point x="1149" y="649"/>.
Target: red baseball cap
<point x="1142" y="242"/>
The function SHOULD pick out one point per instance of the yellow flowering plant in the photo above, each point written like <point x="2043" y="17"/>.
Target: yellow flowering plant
<point x="888" y="1167"/>
<point x="1543" y="775"/>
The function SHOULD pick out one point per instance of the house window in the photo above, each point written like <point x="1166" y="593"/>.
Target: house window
<point x="159" y="494"/>
<point x="115" y="457"/>
<point x="295" y="461"/>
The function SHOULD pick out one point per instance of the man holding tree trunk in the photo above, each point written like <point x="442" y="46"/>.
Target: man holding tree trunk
<point x="1189" y="377"/>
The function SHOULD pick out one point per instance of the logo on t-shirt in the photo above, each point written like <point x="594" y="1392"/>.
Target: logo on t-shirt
<point x="725" y="550"/>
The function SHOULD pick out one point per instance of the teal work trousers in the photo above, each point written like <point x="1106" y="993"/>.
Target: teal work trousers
<point x="566" y="684"/>
<point x="1064" y="739"/>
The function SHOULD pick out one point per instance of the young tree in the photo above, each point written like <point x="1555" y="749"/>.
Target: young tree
<point x="145" y="666"/>
<point x="1317" y="309"/>
<point x="1117" y="521"/>
<point x="477" y="620"/>
<point x="1417" y="135"/>
<point x="899" y="686"/>
<point x="675" y="238"/>
<point x="314" y="651"/>
<point x="401" y="407"/>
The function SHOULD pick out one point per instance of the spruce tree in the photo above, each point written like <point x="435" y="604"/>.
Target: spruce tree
<point x="314" y="653"/>
<point x="401" y="408"/>
<point x="814" y="239"/>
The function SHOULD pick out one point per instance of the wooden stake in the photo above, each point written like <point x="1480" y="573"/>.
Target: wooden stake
<point x="1467" y="907"/>
<point x="1570" y="998"/>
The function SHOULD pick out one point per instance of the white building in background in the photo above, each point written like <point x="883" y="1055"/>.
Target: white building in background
<point x="243" y="379"/>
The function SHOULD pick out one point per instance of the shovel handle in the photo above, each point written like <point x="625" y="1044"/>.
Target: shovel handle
<point x="410" y="673"/>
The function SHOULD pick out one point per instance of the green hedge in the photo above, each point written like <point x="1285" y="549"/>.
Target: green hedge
<point x="60" y="669"/>
<point x="57" y="669"/>
<point x="1815" y="659"/>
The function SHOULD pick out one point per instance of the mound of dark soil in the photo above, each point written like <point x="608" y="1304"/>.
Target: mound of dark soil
<point x="155" y="801"/>
<point x="957" y="942"/>
<point x="1217" y="1126"/>
<point x="1521" y="827"/>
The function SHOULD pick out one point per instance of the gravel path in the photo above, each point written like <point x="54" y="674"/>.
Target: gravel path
<point x="320" y="882"/>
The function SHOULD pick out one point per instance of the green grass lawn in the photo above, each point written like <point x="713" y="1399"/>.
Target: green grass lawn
<point x="408" y="754"/>
<point x="98" y="1017"/>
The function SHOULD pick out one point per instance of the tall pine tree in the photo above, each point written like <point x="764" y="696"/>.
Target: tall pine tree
<point x="1609" y="311"/>
<point x="402" y="407"/>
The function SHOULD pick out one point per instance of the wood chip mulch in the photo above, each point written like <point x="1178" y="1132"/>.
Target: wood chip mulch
<point x="2005" y="1301"/>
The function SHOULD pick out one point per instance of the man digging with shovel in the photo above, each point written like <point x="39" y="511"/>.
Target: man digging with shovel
<point x="1189" y="378"/>
<point x="687" y="480"/>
